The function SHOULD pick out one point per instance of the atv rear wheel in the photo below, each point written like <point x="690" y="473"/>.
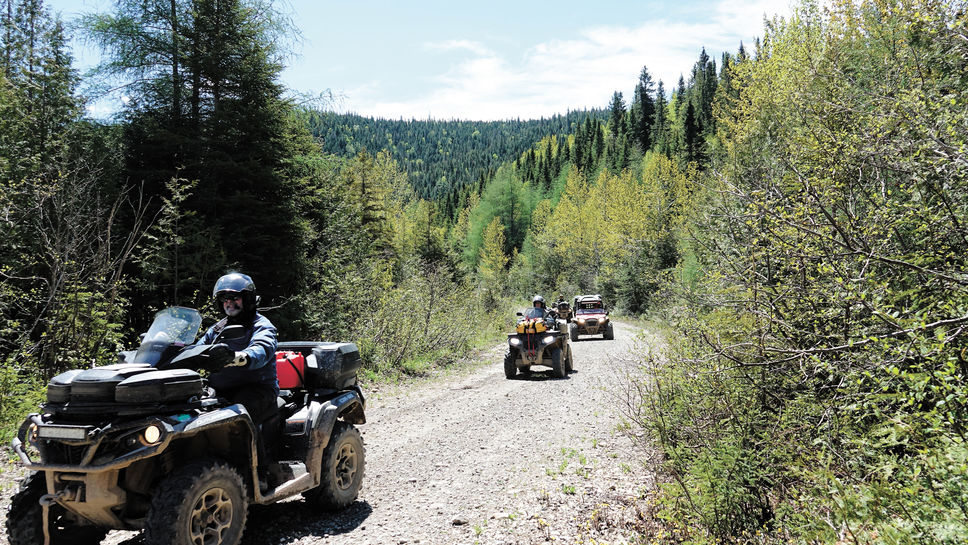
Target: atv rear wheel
<point x="558" y="364"/>
<point x="510" y="369"/>
<point x="25" y="519"/>
<point x="201" y="503"/>
<point x="342" y="471"/>
<point x="573" y="332"/>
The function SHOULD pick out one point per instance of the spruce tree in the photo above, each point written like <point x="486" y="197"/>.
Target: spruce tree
<point x="206" y="106"/>
<point x="644" y="109"/>
<point x="616" y="118"/>
<point x="660" y="128"/>
<point x="691" y="133"/>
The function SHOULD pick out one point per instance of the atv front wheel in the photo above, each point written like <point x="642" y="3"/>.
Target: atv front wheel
<point x="510" y="369"/>
<point x="342" y="471"/>
<point x="570" y="361"/>
<point x="558" y="364"/>
<point x="573" y="332"/>
<point x="25" y="519"/>
<point x="203" y="502"/>
<point x="609" y="332"/>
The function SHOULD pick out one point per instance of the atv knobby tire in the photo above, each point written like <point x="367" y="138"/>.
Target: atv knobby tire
<point x="609" y="332"/>
<point x="342" y="471"/>
<point x="25" y="519"/>
<point x="573" y="332"/>
<point x="558" y="363"/>
<point x="201" y="503"/>
<point x="510" y="369"/>
<point x="569" y="360"/>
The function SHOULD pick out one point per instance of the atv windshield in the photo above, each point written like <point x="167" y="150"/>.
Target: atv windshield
<point x="593" y="310"/>
<point x="172" y="326"/>
<point x="534" y="312"/>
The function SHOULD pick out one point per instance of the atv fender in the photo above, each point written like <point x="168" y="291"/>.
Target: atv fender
<point x="228" y="432"/>
<point x="349" y="406"/>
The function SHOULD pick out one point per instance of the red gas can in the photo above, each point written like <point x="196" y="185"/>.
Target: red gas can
<point x="290" y="370"/>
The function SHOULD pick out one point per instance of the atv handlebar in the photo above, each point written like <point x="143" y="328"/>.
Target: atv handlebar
<point x="211" y="357"/>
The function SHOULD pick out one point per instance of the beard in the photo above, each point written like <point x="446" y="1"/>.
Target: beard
<point x="232" y="309"/>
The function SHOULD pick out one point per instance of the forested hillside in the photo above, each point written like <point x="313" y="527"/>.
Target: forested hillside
<point x="790" y="215"/>
<point x="441" y="158"/>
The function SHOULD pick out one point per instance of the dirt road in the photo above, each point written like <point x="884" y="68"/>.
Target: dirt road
<point x="477" y="458"/>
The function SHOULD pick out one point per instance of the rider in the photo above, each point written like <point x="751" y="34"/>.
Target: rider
<point x="539" y="309"/>
<point x="250" y="378"/>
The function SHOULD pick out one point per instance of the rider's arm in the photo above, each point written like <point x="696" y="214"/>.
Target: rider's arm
<point x="208" y="337"/>
<point x="262" y="347"/>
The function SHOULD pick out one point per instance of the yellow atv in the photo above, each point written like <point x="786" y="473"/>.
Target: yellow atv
<point x="538" y="340"/>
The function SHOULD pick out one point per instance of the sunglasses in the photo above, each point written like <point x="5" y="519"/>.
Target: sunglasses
<point x="223" y="297"/>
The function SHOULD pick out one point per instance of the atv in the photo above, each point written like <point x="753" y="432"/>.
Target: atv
<point x="146" y="445"/>
<point x="563" y="309"/>
<point x="538" y="340"/>
<point x="591" y="318"/>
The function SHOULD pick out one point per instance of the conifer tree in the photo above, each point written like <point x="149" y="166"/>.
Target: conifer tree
<point x="225" y="124"/>
<point x="616" y="118"/>
<point x="691" y="133"/>
<point x="660" y="128"/>
<point x="644" y="108"/>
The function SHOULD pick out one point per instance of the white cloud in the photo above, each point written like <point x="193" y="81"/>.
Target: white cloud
<point x="455" y="45"/>
<point x="581" y="72"/>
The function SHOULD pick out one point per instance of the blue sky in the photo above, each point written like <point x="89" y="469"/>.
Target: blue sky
<point x="495" y="59"/>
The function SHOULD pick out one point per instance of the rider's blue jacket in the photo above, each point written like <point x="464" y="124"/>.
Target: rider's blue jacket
<point x="259" y="343"/>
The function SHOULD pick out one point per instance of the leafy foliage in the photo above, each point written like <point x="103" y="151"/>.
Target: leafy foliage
<point x="825" y="364"/>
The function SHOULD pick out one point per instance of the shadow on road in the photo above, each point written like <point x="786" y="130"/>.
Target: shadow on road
<point x="286" y="522"/>
<point x="292" y="520"/>
<point x="541" y="376"/>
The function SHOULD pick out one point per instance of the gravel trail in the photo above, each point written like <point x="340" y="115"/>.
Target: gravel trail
<point x="477" y="458"/>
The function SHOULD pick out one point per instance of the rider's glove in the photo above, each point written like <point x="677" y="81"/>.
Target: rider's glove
<point x="218" y="355"/>
<point x="241" y="360"/>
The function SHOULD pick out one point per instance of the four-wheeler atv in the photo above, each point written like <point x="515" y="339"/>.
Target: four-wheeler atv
<point x="590" y="318"/>
<point x="563" y="309"/>
<point x="538" y="340"/>
<point x="146" y="444"/>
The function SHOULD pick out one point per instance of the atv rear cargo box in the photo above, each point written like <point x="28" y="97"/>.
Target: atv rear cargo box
<point x="327" y="365"/>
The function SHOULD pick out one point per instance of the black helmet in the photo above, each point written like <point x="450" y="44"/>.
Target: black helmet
<point x="234" y="282"/>
<point x="238" y="283"/>
<point x="538" y="299"/>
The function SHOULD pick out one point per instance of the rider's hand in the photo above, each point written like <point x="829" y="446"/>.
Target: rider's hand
<point x="219" y="355"/>
<point x="241" y="359"/>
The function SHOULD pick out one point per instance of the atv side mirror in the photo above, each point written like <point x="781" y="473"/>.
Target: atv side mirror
<point x="230" y="332"/>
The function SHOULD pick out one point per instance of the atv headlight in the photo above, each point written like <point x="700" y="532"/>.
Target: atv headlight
<point x="549" y="339"/>
<point x="514" y="341"/>
<point x="152" y="434"/>
<point x="581" y="321"/>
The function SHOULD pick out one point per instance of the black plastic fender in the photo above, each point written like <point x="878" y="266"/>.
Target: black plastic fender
<point x="349" y="405"/>
<point x="323" y="416"/>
